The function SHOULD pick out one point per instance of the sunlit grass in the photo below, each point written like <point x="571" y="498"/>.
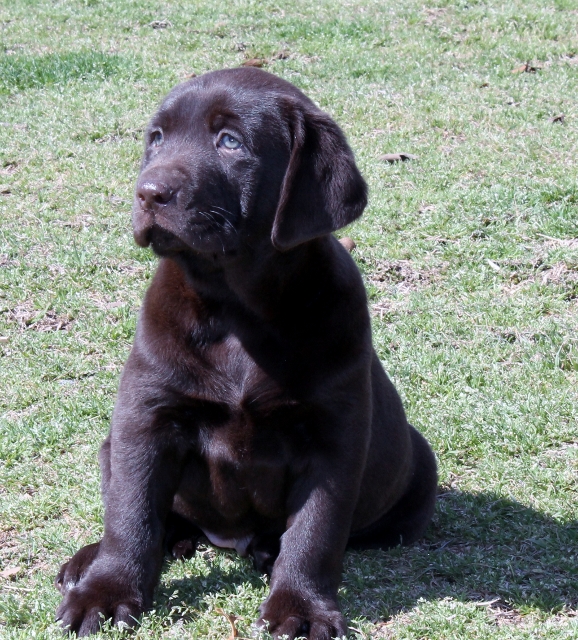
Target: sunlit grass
<point x="470" y="255"/>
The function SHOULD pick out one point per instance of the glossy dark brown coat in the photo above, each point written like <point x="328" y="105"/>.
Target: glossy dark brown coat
<point x="252" y="409"/>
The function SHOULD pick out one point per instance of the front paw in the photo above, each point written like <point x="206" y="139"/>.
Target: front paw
<point x="95" y="599"/>
<point x="72" y="571"/>
<point x="294" y="614"/>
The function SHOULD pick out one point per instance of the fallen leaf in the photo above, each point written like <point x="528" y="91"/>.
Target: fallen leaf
<point x="348" y="244"/>
<point x="9" y="572"/>
<point x="397" y="157"/>
<point x="559" y="118"/>
<point x="4" y="339"/>
<point x="525" y="68"/>
<point x="191" y="75"/>
<point x="253" y="62"/>
<point x="494" y="265"/>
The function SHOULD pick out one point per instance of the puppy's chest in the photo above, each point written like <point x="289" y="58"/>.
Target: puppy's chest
<point x="247" y="433"/>
<point x="247" y="414"/>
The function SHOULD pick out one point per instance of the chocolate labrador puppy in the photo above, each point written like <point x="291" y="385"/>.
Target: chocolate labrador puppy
<point x="252" y="409"/>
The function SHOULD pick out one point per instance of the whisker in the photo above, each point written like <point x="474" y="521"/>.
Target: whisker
<point x="225" y="221"/>
<point x="215" y="226"/>
<point x="215" y="206"/>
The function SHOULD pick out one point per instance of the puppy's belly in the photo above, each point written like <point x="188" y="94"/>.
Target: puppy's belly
<point x="230" y="505"/>
<point x="236" y="482"/>
<point x="239" y="544"/>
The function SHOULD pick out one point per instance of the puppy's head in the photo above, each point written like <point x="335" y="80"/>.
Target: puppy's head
<point x="238" y="158"/>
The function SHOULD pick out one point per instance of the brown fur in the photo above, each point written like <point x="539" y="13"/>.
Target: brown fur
<point x="252" y="407"/>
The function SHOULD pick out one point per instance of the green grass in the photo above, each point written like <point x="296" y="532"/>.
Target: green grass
<point x="36" y="72"/>
<point x="470" y="255"/>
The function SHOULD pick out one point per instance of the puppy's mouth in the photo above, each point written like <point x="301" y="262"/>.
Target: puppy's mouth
<point x="161" y="241"/>
<point x="202" y="234"/>
<point x="152" y="228"/>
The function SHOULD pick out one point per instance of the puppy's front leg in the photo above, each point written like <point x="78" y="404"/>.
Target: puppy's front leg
<point x="307" y="572"/>
<point x="145" y="465"/>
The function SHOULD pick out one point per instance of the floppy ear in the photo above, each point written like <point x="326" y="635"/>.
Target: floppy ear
<point x="322" y="190"/>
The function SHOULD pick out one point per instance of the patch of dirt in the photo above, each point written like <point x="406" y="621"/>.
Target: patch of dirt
<point x="528" y="67"/>
<point x="432" y="14"/>
<point x="383" y="307"/>
<point x="387" y="629"/>
<point x="5" y="261"/>
<point x="105" y="303"/>
<point x="57" y="269"/>
<point x="566" y="451"/>
<point x="513" y="334"/>
<point x="502" y="614"/>
<point x="131" y="268"/>
<point x="452" y="141"/>
<point x="8" y="168"/>
<point x="160" y="24"/>
<point x="399" y="273"/>
<point x="539" y="269"/>
<point x="8" y="544"/>
<point x="559" y="274"/>
<point x="566" y="243"/>
<point x="254" y="62"/>
<point x="400" y="277"/>
<point x="79" y="222"/>
<point x="26" y="317"/>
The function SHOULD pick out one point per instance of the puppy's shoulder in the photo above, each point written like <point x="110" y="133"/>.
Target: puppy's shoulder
<point x="344" y="272"/>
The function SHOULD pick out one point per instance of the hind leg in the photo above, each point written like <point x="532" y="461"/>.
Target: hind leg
<point x="408" y="519"/>
<point x="181" y="537"/>
<point x="264" y="550"/>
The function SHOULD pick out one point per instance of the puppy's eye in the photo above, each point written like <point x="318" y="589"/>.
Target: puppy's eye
<point x="229" y="142"/>
<point x="156" y="138"/>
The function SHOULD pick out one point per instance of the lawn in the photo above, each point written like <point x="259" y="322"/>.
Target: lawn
<point x="469" y="252"/>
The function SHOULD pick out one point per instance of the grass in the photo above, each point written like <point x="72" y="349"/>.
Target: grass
<point x="470" y="255"/>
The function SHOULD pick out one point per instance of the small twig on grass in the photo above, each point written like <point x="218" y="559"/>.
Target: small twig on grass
<point x="488" y="603"/>
<point x="232" y="619"/>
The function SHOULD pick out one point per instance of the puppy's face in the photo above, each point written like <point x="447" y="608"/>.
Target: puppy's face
<point x="215" y="156"/>
<point x="241" y="159"/>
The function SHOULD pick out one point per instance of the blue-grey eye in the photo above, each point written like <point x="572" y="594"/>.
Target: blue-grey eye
<point x="229" y="142"/>
<point x="156" y="138"/>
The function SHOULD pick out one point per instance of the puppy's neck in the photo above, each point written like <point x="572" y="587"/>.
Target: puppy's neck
<point x="260" y="280"/>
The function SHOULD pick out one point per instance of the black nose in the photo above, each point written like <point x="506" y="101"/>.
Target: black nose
<point x="152" y="194"/>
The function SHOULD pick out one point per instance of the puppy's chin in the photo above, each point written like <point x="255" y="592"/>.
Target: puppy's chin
<point x="165" y="243"/>
<point x="161" y="241"/>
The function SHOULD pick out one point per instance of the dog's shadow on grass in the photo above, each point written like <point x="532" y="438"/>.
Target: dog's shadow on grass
<point x="479" y="548"/>
<point x="207" y="582"/>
